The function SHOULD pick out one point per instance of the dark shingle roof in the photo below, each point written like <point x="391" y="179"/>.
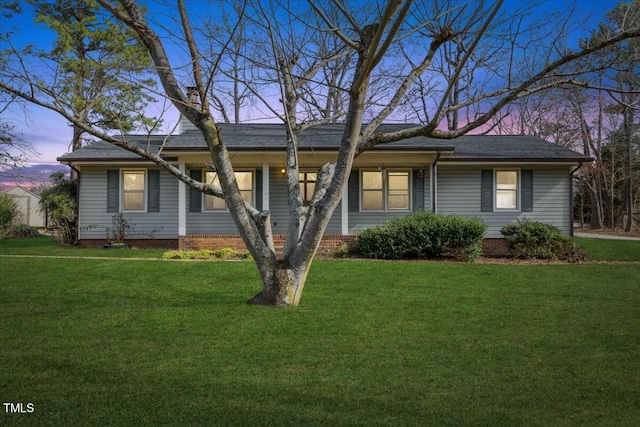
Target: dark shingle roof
<point x="511" y="147"/>
<point x="101" y="150"/>
<point x="272" y="137"/>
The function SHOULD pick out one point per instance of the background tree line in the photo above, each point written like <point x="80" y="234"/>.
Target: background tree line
<point x="601" y="121"/>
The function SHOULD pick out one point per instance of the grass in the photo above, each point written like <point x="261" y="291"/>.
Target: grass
<point x="597" y="249"/>
<point x="609" y="249"/>
<point x="46" y="246"/>
<point x="111" y="342"/>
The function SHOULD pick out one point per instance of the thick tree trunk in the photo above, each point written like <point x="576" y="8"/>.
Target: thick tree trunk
<point x="76" y="144"/>
<point x="628" y="181"/>
<point x="596" y="212"/>
<point x="283" y="287"/>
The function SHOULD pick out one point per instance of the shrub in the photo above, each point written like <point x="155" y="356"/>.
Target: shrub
<point x="207" y="254"/>
<point x="535" y="240"/>
<point x="8" y="211"/>
<point x="424" y="235"/>
<point x="375" y="243"/>
<point x="224" y="253"/>
<point x="59" y="203"/>
<point x="22" y="230"/>
<point x="201" y="254"/>
<point x="343" y="250"/>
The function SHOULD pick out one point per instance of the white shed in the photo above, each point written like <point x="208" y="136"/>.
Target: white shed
<point x="27" y="206"/>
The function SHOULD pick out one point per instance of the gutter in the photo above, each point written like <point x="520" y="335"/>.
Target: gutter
<point x="77" y="171"/>
<point x="571" y="207"/>
<point x="493" y="160"/>
<point x="309" y="148"/>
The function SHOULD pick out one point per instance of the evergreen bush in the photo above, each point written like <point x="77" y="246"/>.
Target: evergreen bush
<point x="535" y="240"/>
<point x="423" y="235"/>
<point x="8" y="211"/>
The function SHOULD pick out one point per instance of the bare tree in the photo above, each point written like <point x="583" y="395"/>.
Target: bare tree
<point x="368" y="41"/>
<point x="627" y="15"/>
<point x="14" y="150"/>
<point x="619" y="88"/>
<point x="591" y="146"/>
<point x="228" y="64"/>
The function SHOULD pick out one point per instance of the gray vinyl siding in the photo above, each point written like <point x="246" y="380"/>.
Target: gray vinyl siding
<point x="278" y="202"/>
<point x="95" y="221"/>
<point x="361" y="220"/>
<point x="459" y="192"/>
<point x="209" y="222"/>
<point x="279" y="206"/>
<point x="459" y="189"/>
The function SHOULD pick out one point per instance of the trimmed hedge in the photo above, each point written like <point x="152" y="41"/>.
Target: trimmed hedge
<point x="423" y="235"/>
<point x="535" y="240"/>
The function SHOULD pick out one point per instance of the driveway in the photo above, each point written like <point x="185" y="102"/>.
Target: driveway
<point x="605" y="236"/>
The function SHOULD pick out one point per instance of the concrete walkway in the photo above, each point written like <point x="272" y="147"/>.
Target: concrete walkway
<point x="605" y="236"/>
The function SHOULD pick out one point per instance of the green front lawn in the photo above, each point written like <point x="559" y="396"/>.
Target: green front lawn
<point x="597" y="249"/>
<point x="120" y="342"/>
<point x="46" y="246"/>
<point x="609" y="249"/>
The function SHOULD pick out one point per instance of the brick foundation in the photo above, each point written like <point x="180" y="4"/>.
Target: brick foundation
<point x="495" y="247"/>
<point x="329" y="242"/>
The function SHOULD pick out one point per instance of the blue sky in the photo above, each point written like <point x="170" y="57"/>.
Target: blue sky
<point x="50" y="134"/>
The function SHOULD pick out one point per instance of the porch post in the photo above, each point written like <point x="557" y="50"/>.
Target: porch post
<point x="182" y="204"/>
<point x="345" y="210"/>
<point x="265" y="186"/>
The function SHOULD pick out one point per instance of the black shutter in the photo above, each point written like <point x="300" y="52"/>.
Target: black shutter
<point x="153" y="195"/>
<point x="258" y="189"/>
<point x="527" y="191"/>
<point x="418" y="190"/>
<point x="113" y="191"/>
<point x="354" y="191"/>
<point x="195" y="197"/>
<point x="487" y="191"/>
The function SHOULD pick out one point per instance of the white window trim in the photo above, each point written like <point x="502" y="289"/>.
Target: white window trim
<point x="518" y="172"/>
<point x="145" y="191"/>
<point x="385" y="190"/>
<point x="226" y="208"/>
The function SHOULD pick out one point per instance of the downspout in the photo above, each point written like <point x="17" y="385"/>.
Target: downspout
<point x="571" y="207"/>
<point x="77" y="171"/>
<point x="434" y="184"/>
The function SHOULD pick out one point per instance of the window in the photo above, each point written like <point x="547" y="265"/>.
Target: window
<point x="385" y="190"/>
<point x="307" y="182"/>
<point x="133" y="190"/>
<point x="245" y="184"/>
<point x="398" y="194"/>
<point x="506" y="189"/>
